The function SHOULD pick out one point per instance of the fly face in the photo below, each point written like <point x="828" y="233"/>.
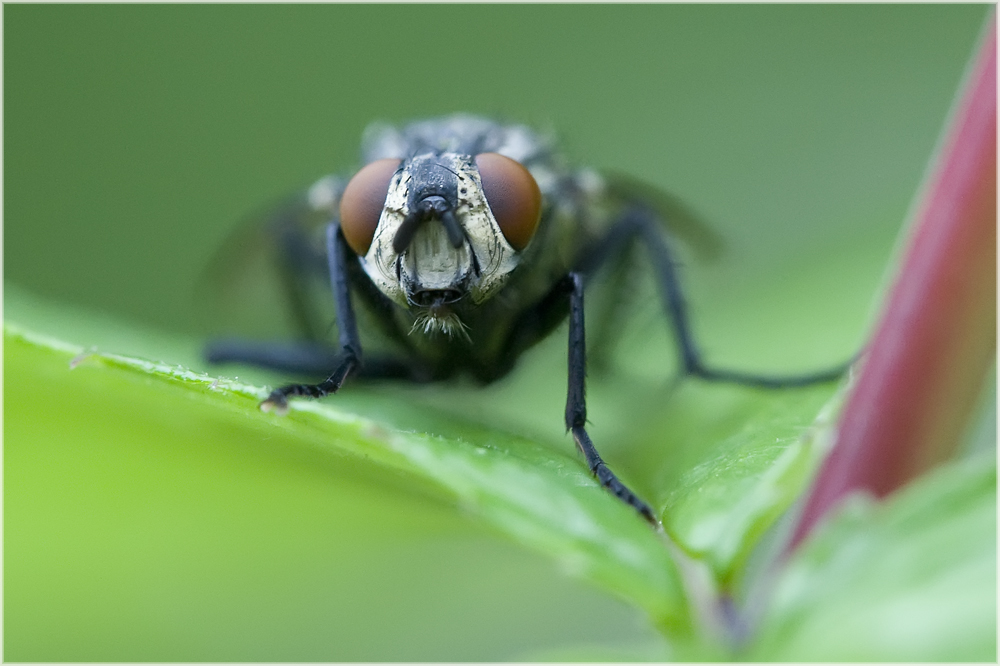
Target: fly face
<point x="439" y="228"/>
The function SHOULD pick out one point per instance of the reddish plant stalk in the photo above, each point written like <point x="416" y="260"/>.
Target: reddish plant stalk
<point x="922" y="373"/>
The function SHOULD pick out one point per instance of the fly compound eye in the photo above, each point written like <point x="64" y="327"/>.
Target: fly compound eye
<point x="513" y="196"/>
<point x="362" y="202"/>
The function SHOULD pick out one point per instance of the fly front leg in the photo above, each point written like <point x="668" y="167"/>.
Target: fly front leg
<point x="576" y="404"/>
<point x="348" y="359"/>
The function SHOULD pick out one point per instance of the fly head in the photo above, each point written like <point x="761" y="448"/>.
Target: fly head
<point x="439" y="228"/>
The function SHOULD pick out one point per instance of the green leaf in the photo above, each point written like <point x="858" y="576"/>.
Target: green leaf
<point x="433" y="444"/>
<point x="911" y="580"/>
<point x="150" y="412"/>
<point x="749" y="474"/>
<point x="544" y="499"/>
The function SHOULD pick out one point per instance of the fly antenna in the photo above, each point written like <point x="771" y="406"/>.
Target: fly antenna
<point x="406" y="231"/>
<point x="455" y="233"/>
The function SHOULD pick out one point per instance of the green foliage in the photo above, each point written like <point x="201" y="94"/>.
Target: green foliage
<point x="911" y="580"/>
<point x="144" y="501"/>
<point x="153" y="515"/>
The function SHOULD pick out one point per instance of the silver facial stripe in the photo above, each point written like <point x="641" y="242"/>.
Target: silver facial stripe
<point x="430" y="261"/>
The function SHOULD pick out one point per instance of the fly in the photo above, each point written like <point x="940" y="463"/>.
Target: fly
<point x="467" y="241"/>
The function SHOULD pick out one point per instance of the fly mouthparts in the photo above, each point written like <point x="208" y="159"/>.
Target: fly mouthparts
<point x="436" y="298"/>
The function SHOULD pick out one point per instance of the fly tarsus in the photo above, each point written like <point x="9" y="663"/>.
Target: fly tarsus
<point x="608" y="479"/>
<point x="278" y="400"/>
<point x="768" y="381"/>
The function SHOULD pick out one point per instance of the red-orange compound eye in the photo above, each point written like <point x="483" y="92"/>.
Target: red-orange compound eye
<point x="362" y="202"/>
<point x="513" y="196"/>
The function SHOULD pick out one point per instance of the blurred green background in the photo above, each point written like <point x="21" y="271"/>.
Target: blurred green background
<point x="137" y="137"/>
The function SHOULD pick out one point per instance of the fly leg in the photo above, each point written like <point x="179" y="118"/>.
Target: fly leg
<point x="534" y="323"/>
<point x="306" y="358"/>
<point x="639" y="223"/>
<point x="348" y="359"/>
<point x="295" y="358"/>
<point x="576" y="404"/>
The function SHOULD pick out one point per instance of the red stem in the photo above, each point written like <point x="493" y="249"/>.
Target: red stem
<point x="924" y="368"/>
